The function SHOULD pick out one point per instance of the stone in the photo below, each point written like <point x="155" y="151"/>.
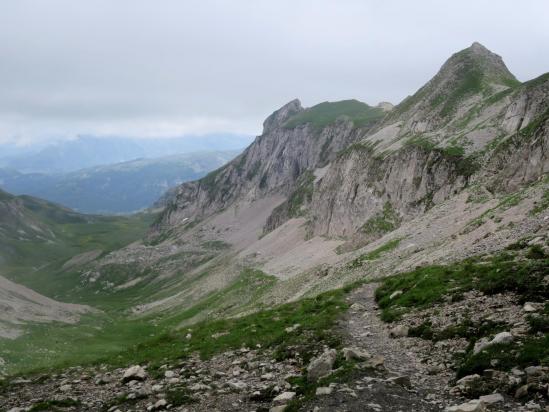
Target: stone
<point x="65" y="388"/>
<point x="401" y="380"/>
<point x="522" y="391"/>
<point x="323" y="390"/>
<point x="395" y="294"/>
<point x="321" y="366"/>
<point x="529" y="307"/>
<point x="480" y="345"/>
<point x="135" y="373"/>
<point x="502" y="338"/>
<point x="399" y="331"/>
<point x="199" y="387"/>
<point x="492" y="398"/>
<point x="293" y="328"/>
<point x="237" y="385"/>
<point x="160" y="404"/>
<point x="279" y="408"/>
<point x="355" y="354"/>
<point x="169" y="374"/>
<point x="475" y="405"/>
<point x="284" y="397"/>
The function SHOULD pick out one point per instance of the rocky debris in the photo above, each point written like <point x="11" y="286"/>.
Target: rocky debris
<point x="134" y="373"/>
<point x="321" y="366"/>
<point x="401" y="380"/>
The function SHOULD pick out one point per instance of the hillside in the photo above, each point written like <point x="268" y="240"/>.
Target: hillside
<point x="353" y="256"/>
<point x="118" y="188"/>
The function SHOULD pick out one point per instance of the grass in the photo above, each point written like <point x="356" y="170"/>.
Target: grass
<point x="428" y="285"/>
<point x="542" y="205"/>
<point x="501" y="273"/>
<point x="327" y="113"/>
<point x="383" y="222"/>
<point x="267" y="328"/>
<point x="54" y="405"/>
<point x="464" y="165"/>
<point x="374" y="254"/>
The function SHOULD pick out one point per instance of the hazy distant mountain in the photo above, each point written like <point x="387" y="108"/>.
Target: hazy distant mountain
<point x="118" y="188"/>
<point x="89" y="151"/>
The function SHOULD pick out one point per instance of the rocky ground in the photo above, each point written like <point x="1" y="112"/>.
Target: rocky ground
<point x="380" y="368"/>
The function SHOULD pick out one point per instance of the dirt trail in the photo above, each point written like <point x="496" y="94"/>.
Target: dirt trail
<point x="371" y="391"/>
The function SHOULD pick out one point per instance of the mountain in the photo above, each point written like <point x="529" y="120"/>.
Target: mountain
<point x="360" y="257"/>
<point x="36" y="236"/>
<point x="90" y="151"/>
<point x="119" y="188"/>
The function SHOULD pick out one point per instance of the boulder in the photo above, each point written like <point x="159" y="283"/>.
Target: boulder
<point x="475" y="405"/>
<point x="492" y="398"/>
<point x="135" y="373"/>
<point x="522" y="391"/>
<point x="399" y="331"/>
<point x="321" y="366"/>
<point x="355" y="354"/>
<point x="401" y="380"/>
<point x="502" y="338"/>
<point x="324" y="390"/>
<point x="284" y="397"/>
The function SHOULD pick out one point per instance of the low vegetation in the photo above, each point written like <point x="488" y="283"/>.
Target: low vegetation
<point x="326" y="113"/>
<point x="521" y="272"/>
<point x="374" y="254"/>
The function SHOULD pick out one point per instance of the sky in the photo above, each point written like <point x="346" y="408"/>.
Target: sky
<point x="162" y="68"/>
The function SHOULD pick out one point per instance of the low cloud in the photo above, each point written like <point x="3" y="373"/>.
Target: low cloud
<point x="169" y="67"/>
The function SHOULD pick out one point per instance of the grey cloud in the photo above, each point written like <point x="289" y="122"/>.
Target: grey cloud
<point x="166" y="67"/>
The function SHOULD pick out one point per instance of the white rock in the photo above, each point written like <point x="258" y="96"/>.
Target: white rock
<point x="284" y="397"/>
<point x="237" y="385"/>
<point x="65" y="388"/>
<point x="355" y="354"/>
<point x="502" y="337"/>
<point x="161" y="404"/>
<point x="293" y="328"/>
<point x="475" y="405"/>
<point x="169" y="374"/>
<point x="321" y="366"/>
<point x="395" y="294"/>
<point x="529" y="307"/>
<point x="323" y="390"/>
<point x="399" y="331"/>
<point x="136" y="373"/>
<point x="492" y="398"/>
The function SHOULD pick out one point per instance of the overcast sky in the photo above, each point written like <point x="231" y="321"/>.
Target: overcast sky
<point x="164" y="68"/>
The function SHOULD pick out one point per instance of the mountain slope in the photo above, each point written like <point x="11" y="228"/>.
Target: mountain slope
<point x="118" y="188"/>
<point x="89" y="151"/>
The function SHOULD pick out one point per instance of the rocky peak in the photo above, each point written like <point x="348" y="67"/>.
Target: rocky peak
<point x="280" y="116"/>
<point x="477" y="60"/>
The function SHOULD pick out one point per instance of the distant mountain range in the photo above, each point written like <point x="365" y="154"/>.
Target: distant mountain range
<point x="90" y="151"/>
<point x="117" y="188"/>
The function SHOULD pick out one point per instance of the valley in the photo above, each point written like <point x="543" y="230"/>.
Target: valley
<point x="352" y="257"/>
